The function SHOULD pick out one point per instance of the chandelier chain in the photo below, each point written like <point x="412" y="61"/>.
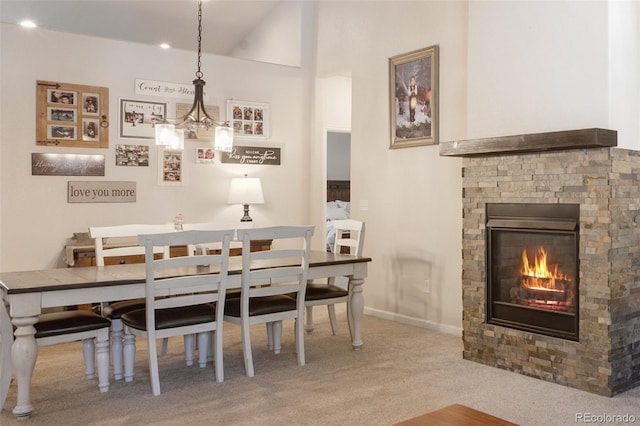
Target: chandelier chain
<point x="199" y="73"/>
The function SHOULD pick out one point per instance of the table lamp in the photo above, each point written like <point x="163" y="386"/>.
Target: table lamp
<point x="245" y="191"/>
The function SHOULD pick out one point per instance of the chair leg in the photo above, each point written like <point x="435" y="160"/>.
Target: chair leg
<point x="116" y="348"/>
<point x="299" y="340"/>
<point x="309" y="319"/>
<point x="269" y="326"/>
<point x="153" y="366"/>
<point x="165" y="344"/>
<point x="217" y="350"/>
<point x="102" y="355"/>
<point x="332" y="319"/>
<point x="246" y="349"/>
<point x="129" y="352"/>
<point x="188" y="349"/>
<point x="277" y="336"/>
<point x="203" y="343"/>
<point x="88" y="352"/>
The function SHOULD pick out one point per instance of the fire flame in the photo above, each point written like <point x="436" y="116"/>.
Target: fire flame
<point x="539" y="274"/>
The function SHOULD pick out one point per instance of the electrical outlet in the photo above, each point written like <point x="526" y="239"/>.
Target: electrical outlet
<point x="427" y="286"/>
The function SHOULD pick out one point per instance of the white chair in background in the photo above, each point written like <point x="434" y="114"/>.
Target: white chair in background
<point x="196" y="304"/>
<point x="273" y="294"/>
<point x="121" y="241"/>
<point x="349" y="239"/>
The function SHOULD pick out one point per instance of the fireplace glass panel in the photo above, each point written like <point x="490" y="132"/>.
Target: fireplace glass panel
<point x="532" y="267"/>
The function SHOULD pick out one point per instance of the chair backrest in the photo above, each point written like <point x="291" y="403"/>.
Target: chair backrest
<point x="122" y="240"/>
<point x="350" y="235"/>
<point x="286" y="268"/>
<point x="189" y="280"/>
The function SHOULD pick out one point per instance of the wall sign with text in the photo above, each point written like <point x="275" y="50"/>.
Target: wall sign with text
<point x="252" y="155"/>
<point x="101" y="192"/>
<point x="50" y="164"/>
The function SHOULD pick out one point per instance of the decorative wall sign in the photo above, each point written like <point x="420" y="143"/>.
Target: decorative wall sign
<point x="250" y="120"/>
<point x="165" y="89"/>
<point x="72" y="115"/>
<point x="201" y="134"/>
<point x="170" y="167"/>
<point x="52" y="164"/>
<point x="413" y="98"/>
<point x="101" y="192"/>
<point x="252" y="155"/>
<point x="205" y="155"/>
<point x="132" y="155"/>
<point x="136" y="118"/>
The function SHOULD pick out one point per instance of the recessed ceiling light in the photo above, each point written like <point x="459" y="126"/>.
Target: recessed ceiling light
<point x="28" y="24"/>
<point x="165" y="46"/>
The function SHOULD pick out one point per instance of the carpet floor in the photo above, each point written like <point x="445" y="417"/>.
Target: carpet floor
<point x="402" y="372"/>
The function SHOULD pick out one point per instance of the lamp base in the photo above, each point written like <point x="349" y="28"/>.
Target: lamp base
<point x="246" y="217"/>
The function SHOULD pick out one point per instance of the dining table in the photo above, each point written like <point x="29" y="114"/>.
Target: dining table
<point x="26" y="293"/>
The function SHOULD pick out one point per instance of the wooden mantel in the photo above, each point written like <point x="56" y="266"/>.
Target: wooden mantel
<point x="533" y="142"/>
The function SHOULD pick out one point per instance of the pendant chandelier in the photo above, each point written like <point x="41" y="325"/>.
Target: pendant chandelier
<point x="170" y="132"/>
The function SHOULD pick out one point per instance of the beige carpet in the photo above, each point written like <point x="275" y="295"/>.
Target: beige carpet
<point x="401" y="372"/>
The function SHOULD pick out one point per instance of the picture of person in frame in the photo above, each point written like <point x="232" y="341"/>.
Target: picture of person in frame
<point x="91" y="105"/>
<point x="60" y="97"/>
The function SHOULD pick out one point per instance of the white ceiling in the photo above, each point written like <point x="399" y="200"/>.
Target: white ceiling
<point x="225" y="23"/>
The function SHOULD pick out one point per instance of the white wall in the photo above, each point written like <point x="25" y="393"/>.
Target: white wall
<point x="36" y="219"/>
<point x="414" y="197"/>
<point x="554" y="65"/>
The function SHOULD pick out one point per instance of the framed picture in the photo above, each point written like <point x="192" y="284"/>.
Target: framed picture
<point x="200" y="134"/>
<point x="250" y="120"/>
<point x="205" y="155"/>
<point x="170" y="167"/>
<point x="72" y="115"/>
<point x="137" y="118"/>
<point x="413" y="98"/>
<point x="132" y="155"/>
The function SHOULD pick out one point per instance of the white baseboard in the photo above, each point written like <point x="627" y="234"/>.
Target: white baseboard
<point x="443" y="328"/>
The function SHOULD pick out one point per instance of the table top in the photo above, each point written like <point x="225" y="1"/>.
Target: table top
<point x="93" y="276"/>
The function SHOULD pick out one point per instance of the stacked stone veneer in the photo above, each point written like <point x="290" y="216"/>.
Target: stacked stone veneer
<point x="605" y="182"/>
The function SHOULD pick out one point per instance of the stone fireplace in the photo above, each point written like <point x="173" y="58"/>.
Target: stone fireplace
<point x="595" y="299"/>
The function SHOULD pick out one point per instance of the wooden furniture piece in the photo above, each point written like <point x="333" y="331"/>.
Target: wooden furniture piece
<point x="119" y="235"/>
<point x="72" y="326"/>
<point x="195" y="306"/>
<point x="265" y="293"/>
<point x="60" y="327"/>
<point x="458" y="415"/>
<point x="28" y="292"/>
<point x="84" y="254"/>
<point x="349" y="239"/>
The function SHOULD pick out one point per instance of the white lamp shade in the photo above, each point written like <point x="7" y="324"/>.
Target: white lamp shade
<point x="223" y="139"/>
<point x="245" y="190"/>
<point x="169" y="136"/>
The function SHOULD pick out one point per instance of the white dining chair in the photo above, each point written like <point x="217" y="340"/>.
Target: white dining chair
<point x="273" y="294"/>
<point x="195" y="306"/>
<point x="116" y="242"/>
<point x="349" y="239"/>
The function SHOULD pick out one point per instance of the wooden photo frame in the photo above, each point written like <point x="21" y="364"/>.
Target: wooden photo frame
<point x="170" y="167"/>
<point x="249" y="120"/>
<point x="413" y="98"/>
<point x="137" y="118"/>
<point x="72" y="115"/>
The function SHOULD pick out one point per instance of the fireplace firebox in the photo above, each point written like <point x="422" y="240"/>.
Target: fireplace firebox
<point x="532" y="267"/>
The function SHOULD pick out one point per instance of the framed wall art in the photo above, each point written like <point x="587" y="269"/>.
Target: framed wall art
<point x="250" y="120"/>
<point x="413" y="98"/>
<point x="137" y="118"/>
<point x="170" y="167"/>
<point x="205" y="155"/>
<point x="72" y="115"/>
<point x="132" y="155"/>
